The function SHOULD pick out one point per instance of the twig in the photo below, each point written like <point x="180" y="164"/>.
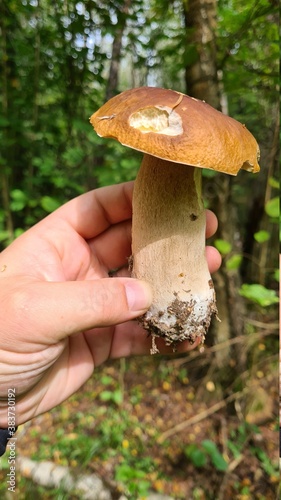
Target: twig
<point x="261" y="324"/>
<point x="201" y="416"/>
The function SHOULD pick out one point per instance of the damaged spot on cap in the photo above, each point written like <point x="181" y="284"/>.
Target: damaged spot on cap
<point x="157" y="119"/>
<point x="247" y="165"/>
<point x="110" y="117"/>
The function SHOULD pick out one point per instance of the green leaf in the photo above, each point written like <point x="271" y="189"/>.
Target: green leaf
<point x="17" y="206"/>
<point x="223" y="246"/>
<point x="18" y="200"/>
<point x="106" y="396"/>
<point x="106" y="380"/>
<point x="118" y="397"/>
<point x="262" y="236"/>
<point x="4" y="235"/>
<point x="270" y="468"/>
<point x="208" y="173"/>
<point x="272" y="207"/>
<point x="49" y="204"/>
<point x="276" y="275"/>
<point x="215" y="455"/>
<point x="124" y="472"/>
<point x="274" y="182"/>
<point x="209" y="446"/>
<point x="114" y="396"/>
<point x="143" y="487"/>
<point x="234" y="262"/>
<point x="198" y="458"/>
<point x="235" y="448"/>
<point x="18" y="231"/>
<point x="259" y="294"/>
<point x="218" y="461"/>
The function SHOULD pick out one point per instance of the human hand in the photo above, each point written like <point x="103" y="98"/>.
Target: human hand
<point x="61" y="315"/>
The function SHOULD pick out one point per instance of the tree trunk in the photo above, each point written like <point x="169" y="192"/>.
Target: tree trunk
<point x="112" y="83"/>
<point x="260" y="259"/>
<point x="202" y="82"/>
<point x="201" y="75"/>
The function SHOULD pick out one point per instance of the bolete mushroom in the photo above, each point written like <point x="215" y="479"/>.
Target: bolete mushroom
<point x="179" y="135"/>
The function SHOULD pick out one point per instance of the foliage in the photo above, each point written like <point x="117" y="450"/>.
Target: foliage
<point x="55" y="62"/>
<point x="272" y="208"/>
<point x="133" y="480"/>
<point x="259" y="294"/>
<point x="262" y="236"/>
<point x="223" y="246"/>
<point x="199" y="455"/>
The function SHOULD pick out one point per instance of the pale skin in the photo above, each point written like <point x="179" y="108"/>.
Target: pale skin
<point x="61" y="315"/>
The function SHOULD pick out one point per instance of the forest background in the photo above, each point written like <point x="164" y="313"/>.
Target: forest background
<point x="60" y="61"/>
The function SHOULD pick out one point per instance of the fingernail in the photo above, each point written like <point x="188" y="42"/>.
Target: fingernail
<point x="139" y="295"/>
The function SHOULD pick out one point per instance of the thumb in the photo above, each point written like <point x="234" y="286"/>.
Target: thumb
<point x="54" y="310"/>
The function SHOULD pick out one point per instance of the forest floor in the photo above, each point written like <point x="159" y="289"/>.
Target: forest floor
<point x="116" y="426"/>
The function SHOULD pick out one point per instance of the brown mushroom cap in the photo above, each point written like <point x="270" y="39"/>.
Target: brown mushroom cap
<point x="178" y="128"/>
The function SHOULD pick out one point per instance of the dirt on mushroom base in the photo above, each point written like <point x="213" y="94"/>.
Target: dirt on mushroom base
<point x="179" y="331"/>
<point x="181" y="310"/>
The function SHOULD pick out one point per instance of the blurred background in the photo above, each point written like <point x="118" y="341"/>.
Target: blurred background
<point x="199" y="426"/>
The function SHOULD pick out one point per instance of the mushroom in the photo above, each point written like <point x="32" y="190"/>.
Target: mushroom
<point x="179" y="135"/>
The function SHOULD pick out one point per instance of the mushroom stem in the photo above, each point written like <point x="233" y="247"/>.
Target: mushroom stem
<point x="168" y="246"/>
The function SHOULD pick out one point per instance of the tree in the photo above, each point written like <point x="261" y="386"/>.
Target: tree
<point x="201" y="72"/>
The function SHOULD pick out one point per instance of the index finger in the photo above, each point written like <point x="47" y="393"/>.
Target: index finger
<point x="92" y="213"/>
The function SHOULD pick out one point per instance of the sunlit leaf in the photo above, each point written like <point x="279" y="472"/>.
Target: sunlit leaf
<point x="18" y="200"/>
<point x="216" y="457"/>
<point x="106" y="380"/>
<point x="218" y="461"/>
<point x="223" y="246"/>
<point x="259" y="294"/>
<point x="272" y="207"/>
<point x="262" y="236"/>
<point x="234" y="262"/>
<point x="274" y="182"/>
<point x="49" y="204"/>
<point x="276" y="275"/>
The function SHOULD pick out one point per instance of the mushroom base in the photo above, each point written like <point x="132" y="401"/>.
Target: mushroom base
<point x="179" y="322"/>
<point x="168" y="244"/>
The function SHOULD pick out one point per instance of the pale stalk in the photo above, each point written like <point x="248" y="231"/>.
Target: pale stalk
<point x="168" y="247"/>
